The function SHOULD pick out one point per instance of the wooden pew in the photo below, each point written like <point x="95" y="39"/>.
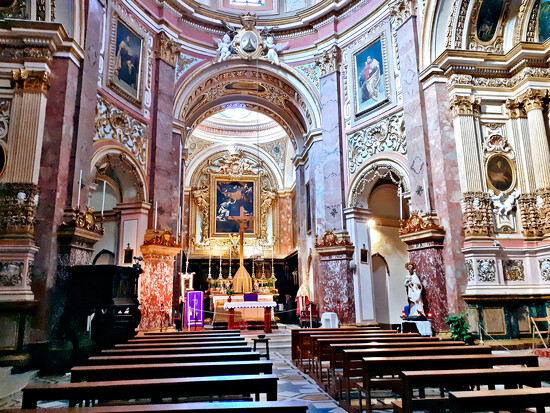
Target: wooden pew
<point x="192" y="333"/>
<point x="181" y="350"/>
<point x="169" y="370"/>
<point x="336" y="351"/>
<point x="206" y="337"/>
<point x="183" y="339"/>
<point x="193" y="407"/>
<point x="174" y="358"/>
<point x="154" y="389"/>
<point x="353" y="366"/>
<point x="317" y="341"/>
<point x="376" y="367"/>
<point x="183" y="344"/>
<point x="511" y="377"/>
<point x="295" y="336"/>
<point x="494" y="400"/>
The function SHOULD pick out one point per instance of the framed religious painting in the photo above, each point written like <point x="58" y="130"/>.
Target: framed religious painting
<point x="501" y="173"/>
<point x="370" y="77"/>
<point x="126" y="56"/>
<point x="233" y="202"/>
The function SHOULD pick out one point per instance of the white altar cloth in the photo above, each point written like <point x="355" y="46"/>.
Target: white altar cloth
<point x="248" y="304"/>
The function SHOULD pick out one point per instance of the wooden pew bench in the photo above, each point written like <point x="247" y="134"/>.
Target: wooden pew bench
<point x="336" y="351"/>
<point x="183" y="344"/>
<point x="191" y="333"/>
<point x="375" y="368"/>
<point x="180" y="350"/>
<point x="193" y="407"/>
<point x="511" y="377"/>
<point x="495" y="400"/>
<point x="173" y="358"/>
<point x="154" y="389"/>
<point x="168" y="370"/>
<point x="353" y="367"/>
<point x="184" y="339"/>
<point x="298" y="335"/>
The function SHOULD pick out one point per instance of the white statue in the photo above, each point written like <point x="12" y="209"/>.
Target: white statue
<point x="503" y="204"/>
<point x="224" y="48"/>
<point x="414" y="292"/>
<point x="272" y="49"/>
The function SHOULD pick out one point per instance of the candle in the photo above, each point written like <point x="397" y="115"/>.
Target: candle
<point x="272" y="260"/>
<point x="210" y="264"/>
<point x="400" y="203"/>
<point x="229" y="259"/>
<point x="156" y="213"/>
<point x="187" y="262"/>
<point x="79" y="187"/>
<point x="103" y="200"/>
<point x="426" y="196"/>
<point x="220" y="277"/>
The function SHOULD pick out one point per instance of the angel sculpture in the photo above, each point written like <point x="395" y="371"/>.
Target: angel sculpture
<point x="502" y="203"/>
<point x="272" y="49"/>
<point x="224" y="48"/>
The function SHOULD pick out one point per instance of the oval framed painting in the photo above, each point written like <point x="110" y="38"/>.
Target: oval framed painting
<point x="500" y="173"/>
<point x="488" y="19"/>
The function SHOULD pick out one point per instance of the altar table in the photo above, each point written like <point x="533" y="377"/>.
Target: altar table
<point x="266" y="305"/>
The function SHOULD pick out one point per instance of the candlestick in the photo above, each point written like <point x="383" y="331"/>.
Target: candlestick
<point x="156" y="213"/>
<point x="229" y="260"/>
<point x="426" y="196"/>
<point x="272" y="260"/>
<point x="220" y="277"/>
<point x="210" y="264"/>
<point x="400" y="202"/>
<point x="103" y="200"/>
<point x="187" y="262"/>
<point x="79" y="188"/>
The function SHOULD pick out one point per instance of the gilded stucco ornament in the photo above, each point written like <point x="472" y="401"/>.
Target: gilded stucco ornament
<point x="503" y="206"/>
<point x="476" y="210"/>
<point x="18" y="202"/>
<point x="513" y="270"/>
<point x="328" y="61"/>
<point x="486" y="270"/>
<point x="470" y="270"/>
<point x="30" y="81"/>
<point x="515" y="109"/>
<point x="402" y="10"/>
<point x="533" y="99"/>
<point x="11" y="273"/>
<point x="528" y="210"/>
<point x="544" y="265"/>
<point x="168" y="50"/>
<point x="465" y="105"/>
<point x="416" y="223"/>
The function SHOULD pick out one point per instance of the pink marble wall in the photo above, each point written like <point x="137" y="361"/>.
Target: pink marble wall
<point x="430" y="268"/>
<point x="446" y="191"/>
<point x="285" y="229"/>
<point x="155" y="288"/>
<point x="335" y="282"/>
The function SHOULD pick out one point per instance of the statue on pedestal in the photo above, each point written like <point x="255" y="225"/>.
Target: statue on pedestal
<point x="414" y="292"/>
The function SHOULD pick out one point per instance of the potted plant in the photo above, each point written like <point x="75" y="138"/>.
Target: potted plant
<point x="459" y="328"/>
<point x="229" y="294"/>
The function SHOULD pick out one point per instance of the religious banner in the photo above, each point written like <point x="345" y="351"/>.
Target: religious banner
<point x="194" y="309"/>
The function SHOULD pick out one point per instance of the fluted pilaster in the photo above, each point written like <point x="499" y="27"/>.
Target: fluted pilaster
<point x="519" y="132"/>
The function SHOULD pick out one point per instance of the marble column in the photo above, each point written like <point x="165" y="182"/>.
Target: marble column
<point x="156" y="284"/>
<point x="301" y="216"/>
<point x="165" y="145"/>
<point x="285" y="246"/>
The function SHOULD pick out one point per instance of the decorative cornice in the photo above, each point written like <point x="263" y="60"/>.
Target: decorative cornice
<point x="30" y="81"/>
<point x="168" y="50"/>
<point x="328" y="61"/>
<point x="465" y="105"/>
<point x="84" y="220"/>
<point x="330" y="239"/>
<point x="402" y="10"/>
<point x="417" y="223"/>
<point x="533" y="99"/>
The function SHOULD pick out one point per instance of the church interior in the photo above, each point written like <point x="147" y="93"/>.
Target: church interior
<point x="249" y="166"/>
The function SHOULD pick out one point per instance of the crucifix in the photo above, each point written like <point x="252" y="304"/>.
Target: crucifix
<point x="242" y="275"/>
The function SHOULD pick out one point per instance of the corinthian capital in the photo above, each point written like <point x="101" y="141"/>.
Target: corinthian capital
<point x="168" y="50"/>
<point x="465" y="105"/>
<point x="515" y="109"/>
<point x="533" y="99"/>
<point x="33" y="81"/>
<point x="401" y="10"/>
<point x="328" y="60"/>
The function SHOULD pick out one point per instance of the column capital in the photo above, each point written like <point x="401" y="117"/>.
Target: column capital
<point x="33" y="81"/>
<point x="402" y="10"/>
<point x="533" y="99"/>
<point x="465" y="105"/>
<point x="167" y="49"/>
<point x="515" y="109"/>
<point x="328" y="60"/>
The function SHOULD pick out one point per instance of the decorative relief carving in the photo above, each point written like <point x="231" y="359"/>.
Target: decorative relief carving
<point x="195" y="146"/>
<point x="162" y="238"/>
<point x="5" y="107"/>
<point x="112" y="122"/>
<point x="168" y="49"/>
<point x="20" y="53"/>
<point x="388" y="135"/>
<point x="498" y="82"/>
<point x="465" y="105"/>
<point x="515" y="109"/>
<point x="18" y="202"/>
<point x="496" y="44"/>
<point x="476" y="209"/>
<point x="183" y="63"/>
<point x="533" y="99"/>
<point x="312" y="72"/>
<point x="532" y="26"/>
<point x="513" y="270"/>
<point x="33" y="81"/>
<point x="543" y="209"/>
<point x="470" y="270"/>
<point x="401" y="10"/>
<point x="460" y="23"/>
<point x="201" y="196"/>
<point x="527" y="206"/>
<point x="234" y="165"/>
<point x="330" y="239"/>
<point x="486" y="270"/>
<point x="503" y="205"/>
<point x="277" y="150"/>
<point x="328" y="61"/>
<point x="268" y="196"/>
<point x="544" y="265"/>
<point x="85" y="220"/>
<point x="495" y="141"/>
<point x="11" y="273"/>
<point x="417" y="223"/>
<point x="375" y="172"/>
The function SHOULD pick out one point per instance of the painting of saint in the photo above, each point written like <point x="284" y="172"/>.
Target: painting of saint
<point x="127" y="72"/>
<point x="230" y="198"/>
<point x="500" y="174"/>
<point x="488" y="19"/>
<point x="369" y="67"/>
<point x="544" y="21"/>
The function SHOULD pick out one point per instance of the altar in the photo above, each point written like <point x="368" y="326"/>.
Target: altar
<point x="246" y="312"/>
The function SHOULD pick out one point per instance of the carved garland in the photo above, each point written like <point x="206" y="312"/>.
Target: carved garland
<point x="375" y="172"/>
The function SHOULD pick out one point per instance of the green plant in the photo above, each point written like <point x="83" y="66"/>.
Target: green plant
<point x="229" y="293"/>
<point x="459" y="328"/>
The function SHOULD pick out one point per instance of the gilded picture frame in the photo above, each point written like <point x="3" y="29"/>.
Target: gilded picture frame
<point x="500" y="173"/>
<point x="227" y="197"/>
<point x="127" y="56"/>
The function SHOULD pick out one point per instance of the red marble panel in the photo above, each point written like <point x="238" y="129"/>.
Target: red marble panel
<point x="155" y="288"/>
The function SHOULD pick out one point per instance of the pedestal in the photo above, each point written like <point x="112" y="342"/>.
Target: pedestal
<point x="156" y="284"/>
<point x="267" y="320"/>
<point x="231" y="322"/>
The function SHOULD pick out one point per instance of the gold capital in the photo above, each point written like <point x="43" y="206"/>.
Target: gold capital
<point x="30" y="81"/>
<point x="328" y="61"/>
<point x="168" y="50"/>
<point x="465" y="105"/>
<point x="515" y="109"/>
<point x="533" y="99"/>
